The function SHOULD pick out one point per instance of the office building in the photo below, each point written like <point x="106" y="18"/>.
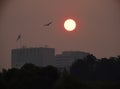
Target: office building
<point x="39" y="56"/>
<point x="66" y="59"/>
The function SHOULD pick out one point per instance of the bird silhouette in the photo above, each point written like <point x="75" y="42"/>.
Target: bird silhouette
<point x="48" y="24"/>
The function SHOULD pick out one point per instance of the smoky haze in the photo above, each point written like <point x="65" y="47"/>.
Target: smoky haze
<point x="98" y="24"/>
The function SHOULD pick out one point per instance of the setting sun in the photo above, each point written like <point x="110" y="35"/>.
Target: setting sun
<point x="69" y="24"/>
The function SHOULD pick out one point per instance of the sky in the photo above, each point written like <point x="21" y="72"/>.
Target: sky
<point x="97" y="32"/>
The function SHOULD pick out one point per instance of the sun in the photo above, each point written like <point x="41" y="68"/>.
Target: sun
<point x="70" y="24"/>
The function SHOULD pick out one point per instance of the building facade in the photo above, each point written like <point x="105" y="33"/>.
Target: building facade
<point x="66" y="59"/>
<point x="38" y="56"/>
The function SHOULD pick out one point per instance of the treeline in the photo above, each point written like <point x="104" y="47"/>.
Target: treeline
<point x="29" y="77"/>
<point x="91" y="68"/>
<point x="33" y="77"/>
<point x="87" y="73"/>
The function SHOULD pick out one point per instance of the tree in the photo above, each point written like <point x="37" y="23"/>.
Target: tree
<point x="68" y="81"/>
<point x="80" y="68"/>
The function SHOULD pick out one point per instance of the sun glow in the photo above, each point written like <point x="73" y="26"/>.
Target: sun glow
<point x="69" y="24"/>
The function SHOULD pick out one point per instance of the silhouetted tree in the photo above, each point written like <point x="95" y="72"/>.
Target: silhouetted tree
<point x="80" y="68"/>
<point x="84" y="68"/>
<point x="83" y="72"/>
<point x="29" y="77"/>
<point x="68" y="81"/>
<point x="91" y="63"/>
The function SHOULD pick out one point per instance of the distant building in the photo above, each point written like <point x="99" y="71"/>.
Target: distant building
<point x="66" y="59"/>
<point x="38" y="56"/>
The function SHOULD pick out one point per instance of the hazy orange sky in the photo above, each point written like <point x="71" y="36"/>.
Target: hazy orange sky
<point x="98" y="26"/>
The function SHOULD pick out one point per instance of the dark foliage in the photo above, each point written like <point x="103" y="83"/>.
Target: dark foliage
<point x="29" y="77"/>
<point x="91" y="68"/>
<point x="87" y="73"/>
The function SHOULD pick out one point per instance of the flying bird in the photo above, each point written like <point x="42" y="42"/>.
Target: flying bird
<point x="48" y="24"/>
<point x="19" y="37"/>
